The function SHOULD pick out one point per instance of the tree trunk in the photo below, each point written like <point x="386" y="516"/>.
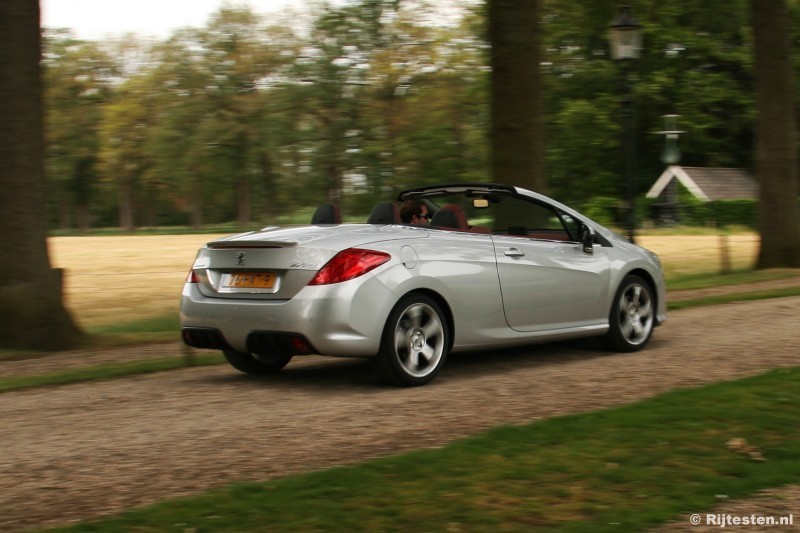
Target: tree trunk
<point x="32" y="313"/>
<point x="83" y="177"/>
<point x="83" y="219"/>
<point x="243" y="208"/>
<point x="517" y="125"/>
<point x="335" y="183"/>
<point x="776" y="136"/>
<point x="196" y="206"/>
<point x="64" y="203"/>
<point x="126" y="209"/>
<point x="269" y="187"/>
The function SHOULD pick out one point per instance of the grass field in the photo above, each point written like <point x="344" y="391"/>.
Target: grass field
<point x="116" y="279"/>
<point x="119" y="279"/>
<point x="684" y="255"/>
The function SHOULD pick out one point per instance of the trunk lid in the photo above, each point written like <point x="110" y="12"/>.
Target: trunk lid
<point x="274" y="263"/>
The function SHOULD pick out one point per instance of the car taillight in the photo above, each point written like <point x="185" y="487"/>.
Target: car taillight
<point x="192" y="277"/>
<point x="349" y="264"/>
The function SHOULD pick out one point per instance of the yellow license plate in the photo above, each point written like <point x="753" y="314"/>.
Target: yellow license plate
<point x="249" y="280"/>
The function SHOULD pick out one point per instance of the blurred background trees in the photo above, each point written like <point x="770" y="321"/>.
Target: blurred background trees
<point x="247" y="120"/>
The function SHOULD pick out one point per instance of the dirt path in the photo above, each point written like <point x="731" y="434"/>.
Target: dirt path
<point x="86" y="450"/>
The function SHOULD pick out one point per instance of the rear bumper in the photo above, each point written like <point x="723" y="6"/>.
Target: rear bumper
<point x="209" y="338"/>
<point x="258" y="342"/>
<point x="335" y="320"/>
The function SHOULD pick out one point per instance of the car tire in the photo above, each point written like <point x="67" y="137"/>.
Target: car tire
<point x="632" y="316"/>
<point x="252" y="364"/>
<point x="415" y="342"/>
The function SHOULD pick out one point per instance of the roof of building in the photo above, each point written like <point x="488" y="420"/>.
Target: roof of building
<point x="708" y="184"/>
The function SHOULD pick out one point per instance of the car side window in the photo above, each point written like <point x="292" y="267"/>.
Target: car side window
<point x="572" y="225"/>
<point x="522" y="218"/>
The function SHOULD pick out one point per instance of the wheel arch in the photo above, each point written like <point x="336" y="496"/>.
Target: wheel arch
<point x="445" y="307"/>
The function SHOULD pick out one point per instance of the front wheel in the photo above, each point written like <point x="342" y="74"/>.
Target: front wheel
<point x="256" y="364"/>
<point x="632" y="316"/>
<point x="415" y="342"/>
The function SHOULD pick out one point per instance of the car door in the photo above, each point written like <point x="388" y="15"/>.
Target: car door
<point x="547" y="280"/>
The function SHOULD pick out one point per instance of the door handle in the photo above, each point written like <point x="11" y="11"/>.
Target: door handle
<point x="513" y="252"/>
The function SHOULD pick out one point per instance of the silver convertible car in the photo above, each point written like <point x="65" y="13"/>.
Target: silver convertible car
<point x="498" y="266"/>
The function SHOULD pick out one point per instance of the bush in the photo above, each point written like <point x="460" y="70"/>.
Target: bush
<point x="604" y="210"/>
<point x="693" y="212"/>
<point x="722" y="213"/>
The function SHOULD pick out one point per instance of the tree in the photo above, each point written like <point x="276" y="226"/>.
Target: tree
<point x="694" y="64"/>
<point x="423" y="112"/>
<point x="333" y="71"/>
<point x="239" y="117"/>
<point x="124" y="159"/>
<point x="78" y="80"/>
<point x="32" y="313"/>
<point x="776" y="136"/>
<point x="181" y="150"/>
<point x="517" y="124"/>
<point x="243" y="59"/>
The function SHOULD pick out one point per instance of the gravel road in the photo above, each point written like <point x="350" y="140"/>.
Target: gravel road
<point x="93" y="449"/>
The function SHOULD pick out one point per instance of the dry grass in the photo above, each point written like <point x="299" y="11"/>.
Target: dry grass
<point x="696" y="254"/>
<point x="118" y="279"/>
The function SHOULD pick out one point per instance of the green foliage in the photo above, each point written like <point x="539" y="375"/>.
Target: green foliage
<point x="78" y="79"/>
<point x="628" y="468"/>
<point x="247" y="119"/>
<point x="603" y="209"/>
<point x="691" y="211"/>
<point x="693" y="65"/>
<point x="721" y="213"/>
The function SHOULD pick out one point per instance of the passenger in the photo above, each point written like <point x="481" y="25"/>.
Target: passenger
<point x="415" y="212"/>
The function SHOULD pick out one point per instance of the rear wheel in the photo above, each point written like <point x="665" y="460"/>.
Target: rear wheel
<point x="632" y="316"/>
<point x="256" y="364"/>
<point x="415" y="342"/>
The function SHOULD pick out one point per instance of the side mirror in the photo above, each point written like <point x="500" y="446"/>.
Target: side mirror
<point x="586" y="236"/>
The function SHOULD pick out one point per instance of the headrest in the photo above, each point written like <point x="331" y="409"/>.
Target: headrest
<point x="327" y="214"/>
<point x="384" y="213"/>
<point x="450" y="216"/>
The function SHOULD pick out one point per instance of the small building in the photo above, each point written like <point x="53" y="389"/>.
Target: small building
<point x="705" y="184"/>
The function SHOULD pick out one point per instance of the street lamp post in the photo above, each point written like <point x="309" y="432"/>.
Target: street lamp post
<point x="670" y="155"/>
<point x="625" y="40"/>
